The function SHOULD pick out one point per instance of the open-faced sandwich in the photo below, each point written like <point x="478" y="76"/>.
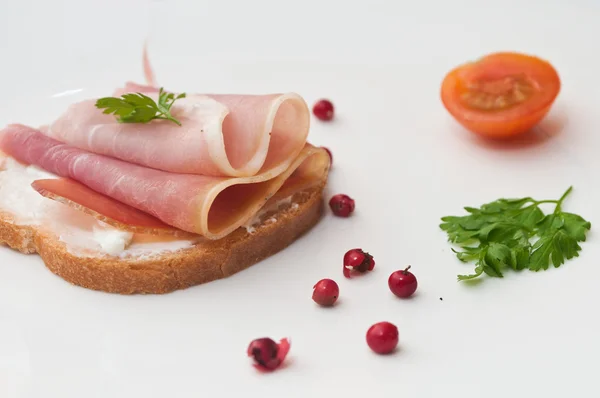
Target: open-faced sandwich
<point x="149" y="192"/>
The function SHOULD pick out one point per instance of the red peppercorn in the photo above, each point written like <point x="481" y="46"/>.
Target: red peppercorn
<point x="326" y="292"/>
<point x="357" y="260"/>
<point x="403" y="283"/>
<point x="267" y="354"/>
<point x="341" y="205"/>
<point x="330" y="155"/>
<point x="382" y="337"/>
<point x="323" y="110"/>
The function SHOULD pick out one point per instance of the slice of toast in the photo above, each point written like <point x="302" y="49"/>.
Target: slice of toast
<point x="149" y="266"/>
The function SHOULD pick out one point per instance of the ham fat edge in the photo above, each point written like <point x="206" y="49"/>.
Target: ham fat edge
<point x="133" y="197"/>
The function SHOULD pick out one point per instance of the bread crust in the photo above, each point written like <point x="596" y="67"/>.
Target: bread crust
<point x="164" y="273"/>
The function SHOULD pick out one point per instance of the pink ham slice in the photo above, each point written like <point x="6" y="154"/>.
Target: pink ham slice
<point x="102" y="207"/>
<point x="205" y="205"/>
<point x="221" y="135"/>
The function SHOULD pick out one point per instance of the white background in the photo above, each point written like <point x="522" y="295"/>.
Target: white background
<point x="396" y="151"/>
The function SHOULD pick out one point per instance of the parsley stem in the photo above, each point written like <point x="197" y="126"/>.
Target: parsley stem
<point x="557" y="202"/>
<point x="562" y="198"/>
<point x="539" y="202"/>
<point x="174" y="120"/>
<point x="168" y="117"/>
<point x="558" y="208"/>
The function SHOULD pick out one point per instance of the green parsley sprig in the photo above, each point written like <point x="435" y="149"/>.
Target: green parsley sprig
<point x="516" y="234"/>
<point x="139" y="108"/>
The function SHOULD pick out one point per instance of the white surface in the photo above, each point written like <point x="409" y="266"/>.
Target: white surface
<point x="396" y="151"/>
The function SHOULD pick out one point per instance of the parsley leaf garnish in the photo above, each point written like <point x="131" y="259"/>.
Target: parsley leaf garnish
<point x="139" y="108"/>
<point x="515" y="234"/>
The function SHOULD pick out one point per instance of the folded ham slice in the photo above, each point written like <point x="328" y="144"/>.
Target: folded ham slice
<point x="103" y="208"/>
<point x="221" y="135"/>
<point x="206" y="205"/>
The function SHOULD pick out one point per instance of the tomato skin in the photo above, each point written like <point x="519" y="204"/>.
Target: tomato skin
<point x="509" y="121"/>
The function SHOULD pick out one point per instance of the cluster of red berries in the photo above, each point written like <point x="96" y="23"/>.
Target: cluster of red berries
<point x="381" y="337"/>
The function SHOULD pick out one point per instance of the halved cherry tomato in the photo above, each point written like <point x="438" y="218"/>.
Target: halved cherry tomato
<point x="502" y="94"/>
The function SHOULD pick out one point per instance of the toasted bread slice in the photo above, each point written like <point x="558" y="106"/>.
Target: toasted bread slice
<point x="161" y="271"/>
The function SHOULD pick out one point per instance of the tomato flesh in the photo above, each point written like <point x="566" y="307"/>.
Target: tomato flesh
<point x="502" y="94"/>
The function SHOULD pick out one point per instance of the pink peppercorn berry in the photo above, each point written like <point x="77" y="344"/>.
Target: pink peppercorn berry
<point x="341" y="205"/>
<point x="403" y="283"/>
<point x="357" y="260"/>
<point x="326" y="292"/>
<point x="267" y="354"/>
<point x="382" y="337"/>
<point x="323" y="110"/>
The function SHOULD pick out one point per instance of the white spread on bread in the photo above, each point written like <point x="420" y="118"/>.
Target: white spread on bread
<point x="82" y="234"/>
<point x="16" y="195"/>
<point x="258" y="219"/>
